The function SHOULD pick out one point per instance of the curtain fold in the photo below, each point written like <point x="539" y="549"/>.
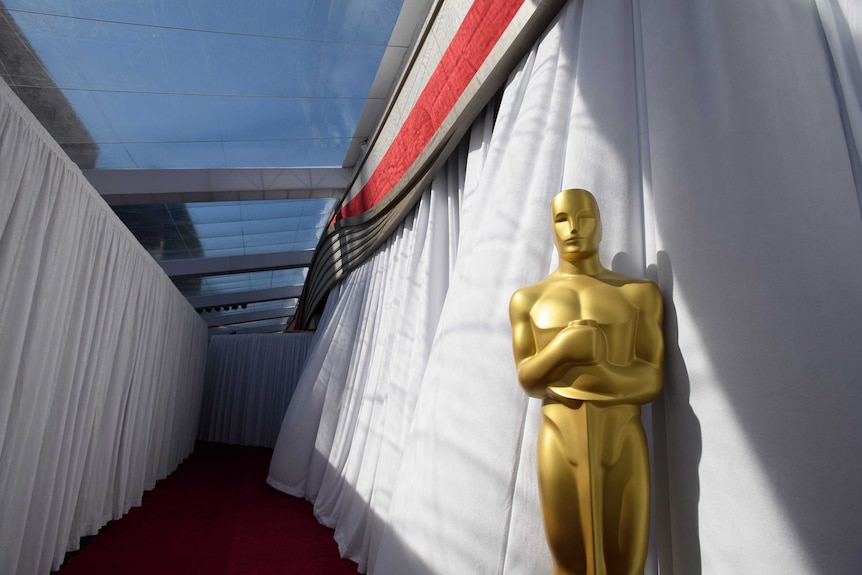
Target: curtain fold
<point x="248" y="385"/>
<point x="841" y="21"/>
<point x="101" y="358"/>
<point x="718" y="140"/>
<point x="341" y="438"/>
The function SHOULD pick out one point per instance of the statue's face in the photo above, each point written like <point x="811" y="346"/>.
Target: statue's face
<point x="577" y="228"/>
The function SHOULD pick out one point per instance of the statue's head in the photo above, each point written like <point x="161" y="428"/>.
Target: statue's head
<point x="577" y="225"/>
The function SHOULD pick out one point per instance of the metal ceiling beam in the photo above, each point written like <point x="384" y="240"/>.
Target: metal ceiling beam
<point x="219" y="320"/>
<point x="126" y="187"/>
<point x="219" y="300"/>
<point x="236" y="264"/>
<point x="231" y="329"/>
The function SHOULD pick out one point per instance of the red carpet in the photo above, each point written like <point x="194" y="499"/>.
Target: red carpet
<point x="215" y="515"/>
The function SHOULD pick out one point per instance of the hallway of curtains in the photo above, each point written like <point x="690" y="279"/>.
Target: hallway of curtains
<point x="248" y="383"/>
<point x="101" y="358"/>
<point x="341" y="437"/>
<point x="719" y="139"/>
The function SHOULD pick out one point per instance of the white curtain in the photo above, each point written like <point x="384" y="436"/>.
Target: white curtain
<point x="101" y="358"/>
<point x="719" y="139"/>
<point x="248" y="385"/>
<point x="340" y="443"/>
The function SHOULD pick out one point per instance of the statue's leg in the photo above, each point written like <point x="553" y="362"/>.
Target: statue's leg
<point x="565" y="504"/>
<point x="626" y="504"/>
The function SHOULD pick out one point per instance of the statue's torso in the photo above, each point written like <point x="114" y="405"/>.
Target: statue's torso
<point x="587" y="298"/>
<point x="561" y="301"/>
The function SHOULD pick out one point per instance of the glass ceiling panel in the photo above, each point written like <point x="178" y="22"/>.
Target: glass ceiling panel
<point x="236" y="228"/>
<point x="262" y="326"/>
<point x="241" y="282"/>
<point x="207" y="83"/>
<point x="334" y="20"/>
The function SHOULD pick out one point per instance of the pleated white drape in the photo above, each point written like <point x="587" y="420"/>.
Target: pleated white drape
<point x="101" y="358"/>
<point x="341" y="440"/>
<point x="248" y="385"/>
<point x="719" y="139"/>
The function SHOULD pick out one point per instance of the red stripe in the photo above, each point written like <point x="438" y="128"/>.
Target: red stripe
<point x="482" y="27"/>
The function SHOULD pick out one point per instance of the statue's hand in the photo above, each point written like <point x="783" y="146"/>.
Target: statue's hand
<point x="585" y="341"/>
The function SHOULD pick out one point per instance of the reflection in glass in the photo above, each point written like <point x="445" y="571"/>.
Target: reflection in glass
<point x="237" y="228"/>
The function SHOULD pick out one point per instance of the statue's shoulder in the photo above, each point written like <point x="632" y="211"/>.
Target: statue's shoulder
<point x="526" y="293"/>
<point x="640" y="289"/>
<point x="620" y="280"/>
<point x="645" y="295"/>
<point x="524" y="298"/>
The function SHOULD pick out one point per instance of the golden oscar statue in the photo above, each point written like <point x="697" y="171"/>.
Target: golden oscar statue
<point x="588" y="341"/>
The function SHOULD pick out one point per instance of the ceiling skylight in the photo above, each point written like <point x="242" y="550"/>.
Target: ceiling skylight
<point x="206" y="83"/>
